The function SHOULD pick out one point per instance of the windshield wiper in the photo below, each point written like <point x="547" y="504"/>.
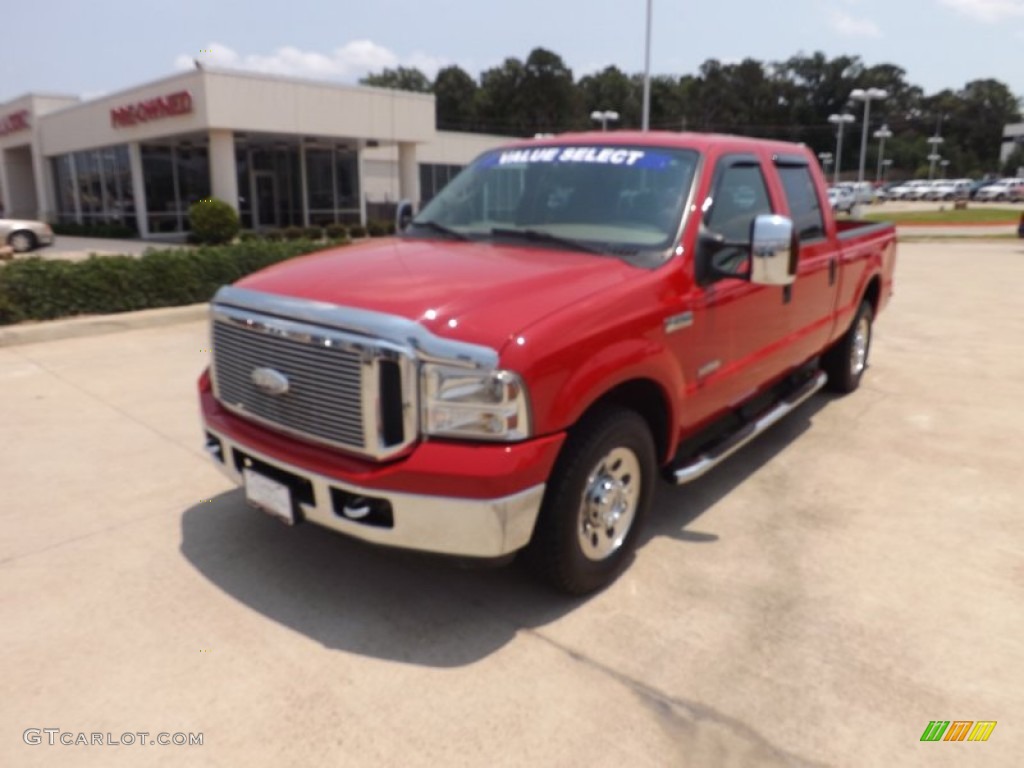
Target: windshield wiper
<point x="440" y="228"/>
<point x="539" y="236"/>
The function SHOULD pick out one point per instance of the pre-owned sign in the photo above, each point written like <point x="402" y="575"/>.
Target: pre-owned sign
<point x="16" y="121"/>
<point x="179" y="103"/>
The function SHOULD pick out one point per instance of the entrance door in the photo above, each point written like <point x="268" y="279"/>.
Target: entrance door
<point x="266" y="208"/>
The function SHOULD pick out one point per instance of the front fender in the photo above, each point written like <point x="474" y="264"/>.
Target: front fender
<point x="566" y="385"/>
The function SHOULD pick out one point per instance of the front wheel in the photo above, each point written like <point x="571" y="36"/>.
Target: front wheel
<point x="22" y="241"/>
<point x="598" y="494"/>
<point x="846" y="362"/>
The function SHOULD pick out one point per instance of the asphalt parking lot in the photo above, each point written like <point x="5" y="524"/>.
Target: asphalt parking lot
<point x="816" y="601"/>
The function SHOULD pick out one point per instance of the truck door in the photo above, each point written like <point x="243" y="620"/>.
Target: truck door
<point x="740" y="328"/>
<point x="812" y="296"/>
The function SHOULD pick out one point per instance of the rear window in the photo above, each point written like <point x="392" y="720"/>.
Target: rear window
<point x="804" y="205"/>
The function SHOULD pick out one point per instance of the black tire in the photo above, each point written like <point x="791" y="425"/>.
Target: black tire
<point x="846" y="361"/>
<point x="612" y="448"/>
<point x="21" y="240"/>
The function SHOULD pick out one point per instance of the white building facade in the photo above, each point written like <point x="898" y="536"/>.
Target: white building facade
<point x="283" y="152"/>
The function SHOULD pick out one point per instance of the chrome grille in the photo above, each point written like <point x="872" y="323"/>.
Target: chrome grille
<point x="334" y="384"/>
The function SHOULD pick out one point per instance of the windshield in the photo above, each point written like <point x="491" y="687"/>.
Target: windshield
<point x="618" y="199"/>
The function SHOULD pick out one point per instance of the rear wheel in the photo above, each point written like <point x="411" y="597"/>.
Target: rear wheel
<point x="22" y="241"/>
<point x="846" y="362"/>
<point x="599" y="493"/>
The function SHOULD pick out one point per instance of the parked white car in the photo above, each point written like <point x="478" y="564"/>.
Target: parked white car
<point x="841" y="199"/>
<point x="1004" y="189"/>
<point x="24" y="234"/>
<point x="863" y="191"/>
<point x="949" y="189"/>
<point x="908" y="190"/>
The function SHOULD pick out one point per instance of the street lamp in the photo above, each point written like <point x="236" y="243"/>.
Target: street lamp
<point x="944" y="164"/>
<point x="933" y="157"/>
<point x="841" y="121"/>
<point x="603" y="116"/>
<point x="826" y="160"/>
<point x="881" y="134"/>
<point x="647" y="72"/>
<point x="885" y="167"/>
<point x="859" y="94"/>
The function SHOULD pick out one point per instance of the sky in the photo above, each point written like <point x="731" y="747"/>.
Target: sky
<point x="93" y="48"/>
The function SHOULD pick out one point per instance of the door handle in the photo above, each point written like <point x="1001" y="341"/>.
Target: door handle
<point x="832" y="268"/>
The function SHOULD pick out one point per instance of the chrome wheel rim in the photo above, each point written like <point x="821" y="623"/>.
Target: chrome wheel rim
<point x="608" y="507"/>
<point x="859" y="352"/>
<point x="20" y="243"/>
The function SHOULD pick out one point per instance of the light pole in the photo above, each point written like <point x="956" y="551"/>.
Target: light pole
<point x="603" y="116"/>
<point x="647" y="72"/>
<point x="944" y="164"/>
<point x="881" y="134"/>
<point x="860" y="94"/>
<point x="825" y="158"/>
<point x="885" y="167"/>
<point x="841" y="121"/>
<point x="933" y="156"/>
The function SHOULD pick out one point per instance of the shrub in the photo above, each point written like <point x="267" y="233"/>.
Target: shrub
<point x="213" y="221"/>
<point x="248" y="236"/>
<point x="38" y="289"/>
<point x="376" y="229"/>
<point x="357" y="230"/>
<point x="294" y="233"/>
<point x="274" y="235"/>
<point x="336" y="231"/>
<point x="313" y="233"/>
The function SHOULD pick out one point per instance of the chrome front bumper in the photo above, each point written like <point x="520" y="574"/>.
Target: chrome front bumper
<point x="449" y="525"/>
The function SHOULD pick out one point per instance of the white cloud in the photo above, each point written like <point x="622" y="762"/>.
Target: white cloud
<point x="349" y="62"/>
<point x="850" y="26"/>
<point x="987" y="10"/>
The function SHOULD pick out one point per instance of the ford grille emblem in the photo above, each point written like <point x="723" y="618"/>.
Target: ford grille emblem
<point x="269" y="381"/>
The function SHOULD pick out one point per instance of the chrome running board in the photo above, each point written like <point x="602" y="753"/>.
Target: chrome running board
<point x="719" y="453"/>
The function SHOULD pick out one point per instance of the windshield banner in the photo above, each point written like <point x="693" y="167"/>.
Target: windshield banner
<point x="625" y="156"/>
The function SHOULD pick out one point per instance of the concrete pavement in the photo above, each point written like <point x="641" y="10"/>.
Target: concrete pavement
<point x="817" y="600"/>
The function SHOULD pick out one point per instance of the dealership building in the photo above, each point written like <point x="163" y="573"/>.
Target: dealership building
<point x="283" y="152"/>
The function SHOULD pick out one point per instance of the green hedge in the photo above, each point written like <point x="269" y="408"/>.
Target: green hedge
<point x="38" y="289"/>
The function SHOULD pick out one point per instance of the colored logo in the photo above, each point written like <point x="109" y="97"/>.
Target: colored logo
<point x="958" y="730"/>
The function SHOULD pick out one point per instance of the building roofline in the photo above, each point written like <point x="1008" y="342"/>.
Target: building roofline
<point x="40" y="95"/>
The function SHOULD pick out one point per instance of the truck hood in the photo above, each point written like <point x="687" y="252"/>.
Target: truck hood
<point x="480" y="292"/>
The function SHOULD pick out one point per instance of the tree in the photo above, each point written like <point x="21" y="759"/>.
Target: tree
<point x="457" y="94"/>
<point x="550" y="100"/>
<point x="611" y="88"/>
<point x="502" y="94"/>
<point x="400" y="79"/>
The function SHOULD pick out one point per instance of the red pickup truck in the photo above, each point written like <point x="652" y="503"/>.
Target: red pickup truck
<point x="570" y="319"/>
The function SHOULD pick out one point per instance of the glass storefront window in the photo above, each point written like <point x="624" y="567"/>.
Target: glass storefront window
<point x="347" y="165"/>
<point x="64" y="186"/>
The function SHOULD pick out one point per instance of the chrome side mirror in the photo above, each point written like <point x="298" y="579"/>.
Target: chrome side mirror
<point x="773" y="252"/>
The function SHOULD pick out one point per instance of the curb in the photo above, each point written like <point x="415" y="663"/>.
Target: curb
<point x="99" y="325"/>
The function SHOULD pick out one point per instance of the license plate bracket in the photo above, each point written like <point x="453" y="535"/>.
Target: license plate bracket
<point x="269" y="495"/>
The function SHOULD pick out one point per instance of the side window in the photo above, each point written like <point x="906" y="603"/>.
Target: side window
<point x="739" y="195"/>
<point x="803" y="201"/>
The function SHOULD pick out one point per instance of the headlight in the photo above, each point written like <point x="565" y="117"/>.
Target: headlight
<point x="484" y="405"/>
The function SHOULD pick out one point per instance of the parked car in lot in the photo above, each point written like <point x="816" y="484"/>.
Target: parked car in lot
<point x="1002" y="190"/>
<point x="909" y="190"/>
<point x="841" y="199"/>
<point x="25" y="234"/>
<point x="569" y="320"/>
<point x="949" y="189"/>
<point x="863" y="191"/>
